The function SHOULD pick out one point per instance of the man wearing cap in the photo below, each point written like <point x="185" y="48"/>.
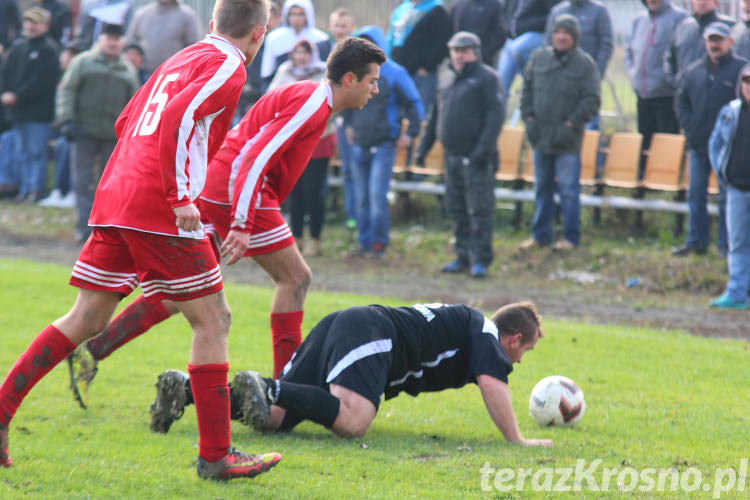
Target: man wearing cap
<point x="94" y="90"/>
<point x="561" y="93"/>
<point x="687" y="43"/>
<point x="30" y="74"/>
<point x="729" y="151"/>
<point x="707" y="85"/>
<point x="467" y="118"/>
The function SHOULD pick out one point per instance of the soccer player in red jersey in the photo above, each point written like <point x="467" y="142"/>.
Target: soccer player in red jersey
<point x="147" y="230"/>
<point x="253" y="172"/>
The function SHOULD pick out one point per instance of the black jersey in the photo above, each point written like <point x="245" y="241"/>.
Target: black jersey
<point x="439" y="346"/>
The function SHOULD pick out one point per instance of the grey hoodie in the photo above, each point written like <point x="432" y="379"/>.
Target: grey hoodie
<point x="644" y="53"/>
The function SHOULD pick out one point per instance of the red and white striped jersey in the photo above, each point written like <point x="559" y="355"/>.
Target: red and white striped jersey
<point x="167" y="134"/>
<point x="264" y="155"/>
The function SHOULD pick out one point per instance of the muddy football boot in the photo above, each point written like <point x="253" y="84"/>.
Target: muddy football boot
<point x="5" y="460"/>
<point x="169" y="403"/>
<point x="82" y="370"/>
<point x="255" y="408"/>
<point x="236" y="464"/>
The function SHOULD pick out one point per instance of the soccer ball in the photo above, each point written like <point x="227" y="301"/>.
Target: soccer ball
<point x="556" y="400"/>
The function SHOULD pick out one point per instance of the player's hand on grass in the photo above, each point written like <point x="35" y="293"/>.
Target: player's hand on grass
<point x="235" y="246"/>
<point x="547" y="443"/>
<point x="188" y="217"/>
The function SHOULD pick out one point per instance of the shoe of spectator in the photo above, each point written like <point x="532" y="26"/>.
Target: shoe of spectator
<point x="378" y="251"/>
<point x="684" y="250"/>
<point x="53" y="200"/>
<point x="8" y="190"/>
<point x="563" y="245"/>
<point x="530" y="244"/>
<point x="236" y="464"/>
<point x="479" y="271"/>
<point x="170" y="401"/>
<point x="725" y="302"/>
<point x="312" y="248"/>
<point x="455" y="267"/>
<point x="359" y="252"/>
<point x="69" y="200"/>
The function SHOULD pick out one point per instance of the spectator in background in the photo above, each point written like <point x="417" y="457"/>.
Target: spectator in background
<point x="93" y="16"/>
<point x="62" y="195"/>
<point x="8" y="168"/>
<point x="134" y="54"/>
<point x="255" y="86"/>
<point x="705" y="86"/>
<point x="467" y="118"/>
<point x="341" y="24"/>
<point x="485" y="18"/>
<point x="163" y="28"/>
<point x="417" y="37"/>
<point x="376" y="134"/>
<point x="741" y="32"/>
<point x="729" y="151"/>
<point x="644" y="56"/>
<point x="10" y="23"/>
<point x="687" y="43"/>
<point x="561" y="92"/>
<point x="526" y="32"/>
<point x="61" y="20"/>
<point x="308" y="197"/>
<point x="597" y="38"/>
<point x="30" y="74"/>
<point x="94" y="90"/>
<point x="297" y="23"/>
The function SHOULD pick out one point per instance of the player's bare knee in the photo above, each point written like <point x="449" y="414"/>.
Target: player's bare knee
<point x="350" y="429"/>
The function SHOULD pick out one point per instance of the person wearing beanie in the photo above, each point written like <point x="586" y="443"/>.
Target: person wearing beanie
<point x="730" y="159"/>
<point x="467" y="118"/>
<point x="705" y="87"/>
<point x="561" y="93"/>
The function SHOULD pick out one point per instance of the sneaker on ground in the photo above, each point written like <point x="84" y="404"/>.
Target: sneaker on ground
<point x="236" y="464"/>
<point x="53" y="200"/>
<point x="82" y="370"/>
<point x="68" y="201"/>
<point x="169" y="403"/>
<point x="250" y="390"/>
<point x="563" y="245"/>
<point x="5" y="459"/>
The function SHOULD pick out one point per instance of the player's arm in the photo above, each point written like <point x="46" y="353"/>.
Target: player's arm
<point x="496" y="395"/>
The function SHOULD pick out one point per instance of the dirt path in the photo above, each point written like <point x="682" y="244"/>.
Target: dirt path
<point x="598" y="304"/>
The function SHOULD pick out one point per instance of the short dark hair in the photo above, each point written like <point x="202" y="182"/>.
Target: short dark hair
<point x="237" y="17"/>
<point x="353" y="55"/>
<point x="134" y="46"/>
<point x="519" y="317"/>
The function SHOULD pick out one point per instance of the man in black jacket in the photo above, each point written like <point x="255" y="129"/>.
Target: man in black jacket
<point x="485" y="18"/>
<point x="707" y="85"/>
<point x="30" y="75"/>
<point x="467" y="118"/>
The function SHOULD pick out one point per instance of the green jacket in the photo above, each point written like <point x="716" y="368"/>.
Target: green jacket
<point x="555" y="91"/>
<point x="93" y="92"/>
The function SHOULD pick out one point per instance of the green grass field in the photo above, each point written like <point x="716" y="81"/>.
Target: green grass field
<point x="655" y="399"/>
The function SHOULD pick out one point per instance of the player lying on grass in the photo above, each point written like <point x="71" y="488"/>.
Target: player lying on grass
<point x="352" y="357"/>
<point x="251" y="175"/>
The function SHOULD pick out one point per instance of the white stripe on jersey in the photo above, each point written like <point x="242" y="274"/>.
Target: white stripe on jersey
<point x="237" y="162"/>
<point x="187" y="125"/>
<point x="428" y="364"/>
<point x="374" y="347"/>
<point x="311" y="106"/>
<point x="491" y="328"/>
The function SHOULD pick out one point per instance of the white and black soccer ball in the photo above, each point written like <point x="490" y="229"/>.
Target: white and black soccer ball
<point x="558" y="401"/>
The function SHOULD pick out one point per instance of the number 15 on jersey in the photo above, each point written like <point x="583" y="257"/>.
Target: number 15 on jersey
<point x="149" y="120"/>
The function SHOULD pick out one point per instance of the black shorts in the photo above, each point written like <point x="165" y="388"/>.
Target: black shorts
<point x="351" y="348"/>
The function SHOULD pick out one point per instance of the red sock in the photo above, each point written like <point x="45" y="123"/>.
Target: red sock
<point x="133" y="321"/>
<point x="211" y="396"/>
<point x="45" y="352"/>
<point x="286" y="332"/>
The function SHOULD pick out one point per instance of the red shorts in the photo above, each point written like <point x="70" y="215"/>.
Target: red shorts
<point x="167" y="267"/>
<point x="270" y="231"/>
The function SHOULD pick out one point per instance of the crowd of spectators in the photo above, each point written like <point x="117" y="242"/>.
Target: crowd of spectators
<point x="449" y="71"/>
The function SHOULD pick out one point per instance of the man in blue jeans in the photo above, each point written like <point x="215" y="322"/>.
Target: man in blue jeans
<point x="707" y="85"/>
<point x="729" y="151"/>
<point x="377" y="133"/>
<point x="30" y="74"/>
<point x="561" y="92"/>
